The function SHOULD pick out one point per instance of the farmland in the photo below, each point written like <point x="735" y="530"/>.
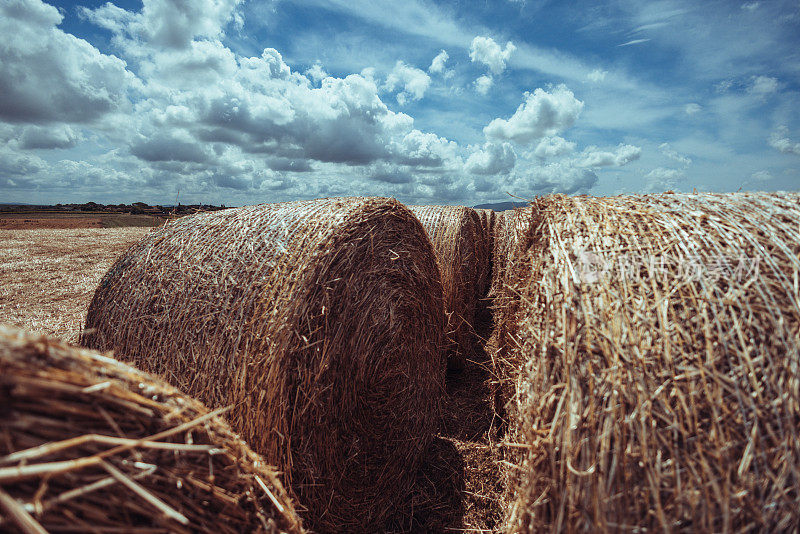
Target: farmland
<point x="48" y="275"/>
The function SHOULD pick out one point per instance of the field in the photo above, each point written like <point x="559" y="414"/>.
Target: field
<point x="59" y="219"/>
<point x="48" y="275"/>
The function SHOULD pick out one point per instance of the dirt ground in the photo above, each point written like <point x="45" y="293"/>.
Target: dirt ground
<point x="56" y="220"/>
<point x="48" y="276"/>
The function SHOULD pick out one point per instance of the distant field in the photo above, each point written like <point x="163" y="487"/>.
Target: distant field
<point x="60" y="219"/>
<point x="48" y="276"/>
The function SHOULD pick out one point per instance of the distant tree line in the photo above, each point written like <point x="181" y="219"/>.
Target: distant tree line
<point x="137" y="208"/>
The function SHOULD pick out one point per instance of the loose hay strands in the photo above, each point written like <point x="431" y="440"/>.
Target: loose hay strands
<point x="488" y="220"/>
<point x="510" y="229"/>
<point x="321" y="322"/>
<point x="659" y="386"/>
<point x="90" y="443"/>
<point x="464" y="262"/>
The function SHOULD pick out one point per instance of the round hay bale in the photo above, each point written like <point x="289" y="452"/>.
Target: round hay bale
<point x="658" y="361"/>
<point x="90" y="444"/>
<point x="463" y="258"/>
<point x="321" y="322"/>
<point x="510" y="231"/>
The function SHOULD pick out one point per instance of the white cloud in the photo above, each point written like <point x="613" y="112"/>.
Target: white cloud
<point x="423" y="150"/>
<point x="672" y="154"/>
<point x="750" y="6"/>
<point x="486" y="51"/>
<point x="47" y="75"/>
<point x="597" y="75"/>
<point x="19" y="165"/>
<point x="437" y="65"/>
<point x="411" y="81"/>
<point x="634" y="42"/>
<point x="542" y="114"/>
<point x="692" y="108"/>
<point x="593" y="157"/>
<point x="550" y="147"/>
<point x="316" y="73"/>
<point x="176" y="145"/>
<point x="779" y="140"/>
<point x="483" y="84"/>
<point x="663" y="179"/>
<point x="55" y="136"/>
<point x="761" y="176"/>
<point x="559" y="177"/>
<point x="165" y="23"/>
<point x="763" y="85"/>
<point x="724" y="86"/>
<point x="494" y="158"/>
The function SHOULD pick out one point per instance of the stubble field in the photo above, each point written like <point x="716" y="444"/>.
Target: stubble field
<point x="48" y="276"/>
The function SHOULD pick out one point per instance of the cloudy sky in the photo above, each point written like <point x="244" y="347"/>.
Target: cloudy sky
<point x="242" y="102"/>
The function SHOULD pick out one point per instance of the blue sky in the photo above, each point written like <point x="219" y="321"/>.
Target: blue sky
<point x="242" y="102"/>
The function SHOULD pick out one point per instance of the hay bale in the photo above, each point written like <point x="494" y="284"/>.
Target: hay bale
<point x="91" y="444"/>
<point x="510" y="229"/>
<point x="657" y="384"/>
<point x="463" y="258"/>
<point x="320" y="322"/>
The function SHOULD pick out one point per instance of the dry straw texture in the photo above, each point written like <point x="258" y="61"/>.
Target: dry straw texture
<point x="321" y="322"/>
<point x="510" y="229"/>
<point x="658" y="342"/>
<point x="463" y="256"/>
<point x="92" y="445"/>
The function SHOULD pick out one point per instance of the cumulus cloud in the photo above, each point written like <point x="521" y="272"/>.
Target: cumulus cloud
<point x="55" y="136"/>
<point x="486" y="51"/>
<point x="542" y="114"/>
<point x="437" y="65"/>
<point x="316" y="73"/>
<point x="663" y="179"/>
<point x="763" y="85"/>
<point x="597" y="75"/>
<point x="673" y="154"/>
<point x="229" y="127"/>
<point x="761" y="176"/>
<point x="551" y="147"/>
<point x="15" y="164"/>
<point x="779" y="140"/>
<point x="593" y="157"/>
<point x="494" y="158"/>
<point x="411" y="81"/>
<point x="47" y="75"/>
<point x="483" y="84"/>
<point x="165" y="23"/>
<point x="171" y="146"/>
<point x="422" y="149"/>
<point x="558" y="177"/>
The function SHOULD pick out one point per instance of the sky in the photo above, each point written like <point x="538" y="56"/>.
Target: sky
<point x="456" y="102"/>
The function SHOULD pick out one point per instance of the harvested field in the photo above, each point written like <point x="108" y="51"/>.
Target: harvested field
<point x="657" y="352"/>
<point x="462" y="251"/>
<point x="48" y="277"/>
<point x="61" y="220"/>
<point x="321" y="322"/>
<point x="90" y="444"/>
